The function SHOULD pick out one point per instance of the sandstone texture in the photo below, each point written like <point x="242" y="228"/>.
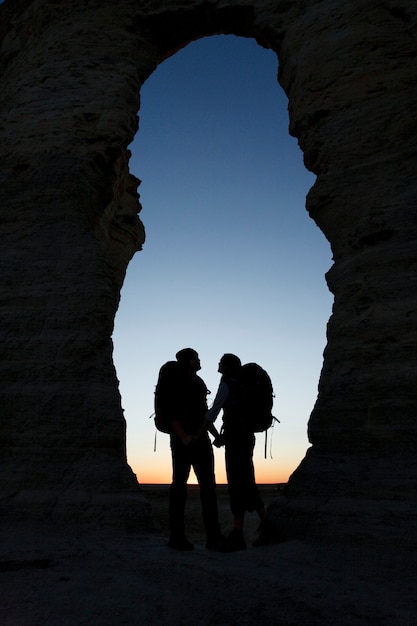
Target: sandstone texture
<point x="71" y="73"/>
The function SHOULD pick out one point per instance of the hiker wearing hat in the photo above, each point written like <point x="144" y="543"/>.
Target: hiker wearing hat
<point x="185" y="399"/>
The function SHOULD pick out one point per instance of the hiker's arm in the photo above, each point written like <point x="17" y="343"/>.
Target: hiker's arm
<point x="211" y="428"/>
<point x="206" y="425"/>
<point x="218" y="403"/>
<point x="178" y="430"/>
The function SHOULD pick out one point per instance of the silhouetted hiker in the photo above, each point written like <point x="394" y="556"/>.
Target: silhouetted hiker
<point x="185" y="404"/>
<point x="239" y="443"/>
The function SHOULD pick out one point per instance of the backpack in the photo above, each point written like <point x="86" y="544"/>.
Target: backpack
<point x="165" y="387"/>
<point x="256" y="397"/>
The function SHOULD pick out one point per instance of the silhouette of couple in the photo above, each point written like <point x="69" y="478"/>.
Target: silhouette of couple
<point x="189" y="421"/>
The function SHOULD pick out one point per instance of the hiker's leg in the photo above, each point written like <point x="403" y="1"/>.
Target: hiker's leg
<point x="178" y="491"/>
<point x="237" y="495"/>
<point x="240" y="474"/>
<point x="266" y="531"/>
<point x="262" y="513"/>
<point x="238" y="520"/>
<point x="203" y="465"/>
<point x="252" y="497"/>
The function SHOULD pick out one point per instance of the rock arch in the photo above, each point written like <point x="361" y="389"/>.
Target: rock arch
<point x="71" y="76"/>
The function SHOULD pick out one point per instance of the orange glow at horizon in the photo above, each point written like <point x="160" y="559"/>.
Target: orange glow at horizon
<point x="153" y="466"/>
<point x="161" y="474"/>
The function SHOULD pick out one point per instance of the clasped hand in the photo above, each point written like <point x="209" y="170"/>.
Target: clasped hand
<point x="189" y="440"/>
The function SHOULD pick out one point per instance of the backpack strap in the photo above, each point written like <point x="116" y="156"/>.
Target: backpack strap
<point x="274" y="419"/>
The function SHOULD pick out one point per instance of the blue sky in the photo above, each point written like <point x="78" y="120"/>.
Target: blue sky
<point x="232" y="261"/>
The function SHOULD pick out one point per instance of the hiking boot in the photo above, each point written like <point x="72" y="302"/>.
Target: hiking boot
<point x="180" y="543"/>
<point x="265" y="534"/>
<point x="234" y="542"/>
<point x="215" y="543"/>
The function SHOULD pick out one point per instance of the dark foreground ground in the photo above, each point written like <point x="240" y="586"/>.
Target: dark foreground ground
<point x="81" y="577"/>
<point x="158" y="497"/>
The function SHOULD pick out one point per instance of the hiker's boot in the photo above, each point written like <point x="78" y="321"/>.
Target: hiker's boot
<point x="234" y="542"/>
<point x="265" y="534"/>
<point x="215" y="542"/>
<point x="180" y="543"/>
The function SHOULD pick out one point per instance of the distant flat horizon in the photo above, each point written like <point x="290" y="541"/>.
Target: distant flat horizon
<point x="260" y="484"/>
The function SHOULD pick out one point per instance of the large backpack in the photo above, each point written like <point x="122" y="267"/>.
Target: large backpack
<point x="256" y="397"/>
<point x="164" y="390"/>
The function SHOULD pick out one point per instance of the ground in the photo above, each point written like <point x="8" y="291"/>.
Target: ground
<point x="49" y="577"/>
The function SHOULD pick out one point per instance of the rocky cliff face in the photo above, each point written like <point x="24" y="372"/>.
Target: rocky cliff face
<point x="71" y="74"/>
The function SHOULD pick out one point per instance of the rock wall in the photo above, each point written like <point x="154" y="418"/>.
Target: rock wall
<point x="71" y="74"/>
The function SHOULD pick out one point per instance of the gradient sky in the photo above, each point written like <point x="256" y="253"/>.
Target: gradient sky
<point x="232" y="261"/>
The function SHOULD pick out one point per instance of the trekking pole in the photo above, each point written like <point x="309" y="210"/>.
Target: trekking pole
<point x="275" y="419"/>
<point x="156" y="432"/>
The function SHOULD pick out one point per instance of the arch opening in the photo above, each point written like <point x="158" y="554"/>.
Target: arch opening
<point x="232" y="261"/>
